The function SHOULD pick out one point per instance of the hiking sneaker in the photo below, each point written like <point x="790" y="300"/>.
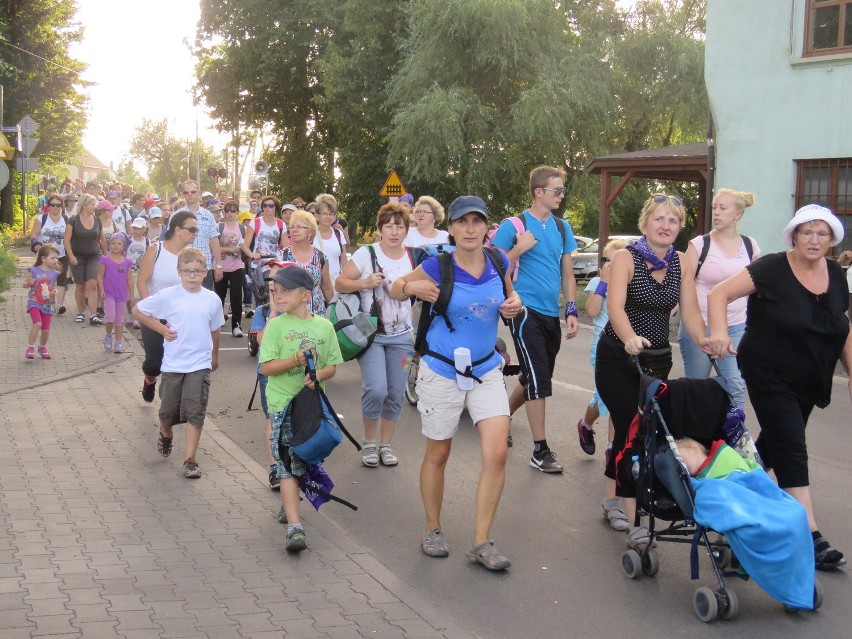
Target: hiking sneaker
<point x="613" y="513"/>
<point x="191" y="470"/>
<point x="148" y="390"/>
<point x="45" y="354"/>
<point x="94" y="320"/>
<point x="545" y="461"/>
<point x="108" y="343"/>
<point x="117" y="348"/>
<point x="274" y="481"/>
<point x="30" y="352"/>
<point x="587" y="438"/>
<point x="164" y="445"/>
<point x="282" y="516"/>
<point x="296" y="540"/>
<point x="99" y="312"/>
<point x="237" y="332"/>
<point x="79" y="317"/>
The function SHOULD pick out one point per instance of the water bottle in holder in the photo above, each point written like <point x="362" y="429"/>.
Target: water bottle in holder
<point x="634" y="470"/>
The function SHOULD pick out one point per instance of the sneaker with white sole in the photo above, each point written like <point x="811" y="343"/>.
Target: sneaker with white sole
<point x="191" y="470"/>
<point x="237" y="332"/>
<point x="369" y="455"/>
<point x="108" y="343"/>
<point x="613" y="513"/>
<point x="545" y="461"/>
<point x="387" y="457"/>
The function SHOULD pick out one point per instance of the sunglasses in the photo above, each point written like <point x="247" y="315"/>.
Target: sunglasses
<point x="191" y="229"/>
<point x="604" y="260"/>
<point x="55" y="205"/>
<point x="268" y="205"/>
<point x="659" y="198"/>
<point x="560" y="190"/>
<point x="190" y="192"/>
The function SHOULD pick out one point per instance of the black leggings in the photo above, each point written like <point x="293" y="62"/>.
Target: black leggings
<point x="233" y="280"/>
<point x="152" y="342"/>
<point x="617" y="381"/>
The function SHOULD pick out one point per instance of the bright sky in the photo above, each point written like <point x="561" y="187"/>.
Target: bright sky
<point x="141" y="68"/>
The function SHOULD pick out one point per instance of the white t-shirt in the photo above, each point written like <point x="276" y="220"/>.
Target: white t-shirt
<point x="415" y="239"/>
<point x="136" y="250"/>
<point x="120" y="217"/>
<point x="395" y="315"/>
<point x="193" y="316"/>
<point x="849" y="280"/>
<point x="267" y="236"/>
<point x="332" y="249"/>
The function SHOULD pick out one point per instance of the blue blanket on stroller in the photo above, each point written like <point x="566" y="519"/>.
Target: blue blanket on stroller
<point x="766" y="528"/>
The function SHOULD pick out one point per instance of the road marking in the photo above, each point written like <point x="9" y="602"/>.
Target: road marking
<point x="235" y="348"/>
<point x="572" y="387"/>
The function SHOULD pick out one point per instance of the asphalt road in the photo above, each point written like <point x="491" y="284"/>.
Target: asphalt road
<point x="566" y="578"/>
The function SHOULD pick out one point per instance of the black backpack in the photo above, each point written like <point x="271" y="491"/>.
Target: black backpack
<point x="705" y="250"/>
<point x="439" y="306"/>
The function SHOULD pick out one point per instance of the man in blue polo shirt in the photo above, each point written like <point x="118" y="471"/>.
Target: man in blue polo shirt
<point x="545" y="269"/>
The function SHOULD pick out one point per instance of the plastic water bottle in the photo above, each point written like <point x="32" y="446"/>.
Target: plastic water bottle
<point x="461" y="356"/>
<point x="635" y="469"/>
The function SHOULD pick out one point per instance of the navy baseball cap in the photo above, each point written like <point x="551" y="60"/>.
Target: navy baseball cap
<point x="465" y="204"/>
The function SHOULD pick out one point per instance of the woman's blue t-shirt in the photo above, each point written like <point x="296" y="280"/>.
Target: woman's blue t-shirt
<point x="474" y="313"/>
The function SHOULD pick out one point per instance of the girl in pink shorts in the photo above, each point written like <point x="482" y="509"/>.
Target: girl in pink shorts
<point x="115" y="284"/>
<point x="41" y="283"/>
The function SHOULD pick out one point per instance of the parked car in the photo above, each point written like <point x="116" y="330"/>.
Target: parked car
<point x="586" y="259"/>
<point x="582" y="241"/>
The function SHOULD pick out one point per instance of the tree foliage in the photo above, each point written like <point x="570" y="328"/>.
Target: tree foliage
<point x="41" y="79"/>
<point x="460" y="96"/>
<point x="170" y="160"/>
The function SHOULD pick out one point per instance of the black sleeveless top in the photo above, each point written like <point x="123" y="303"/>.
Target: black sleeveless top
<point x="85" y="242"/>
<point x="649" y="303"/>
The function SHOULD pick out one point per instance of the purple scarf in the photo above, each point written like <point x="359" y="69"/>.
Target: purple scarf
<point x="642" y="248"/>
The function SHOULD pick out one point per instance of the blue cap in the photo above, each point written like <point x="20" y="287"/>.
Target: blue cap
<point x="465" y="204"/>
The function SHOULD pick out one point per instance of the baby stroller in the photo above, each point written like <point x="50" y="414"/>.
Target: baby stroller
<point x="256" y="273"/>
<point x="695" y="408"/>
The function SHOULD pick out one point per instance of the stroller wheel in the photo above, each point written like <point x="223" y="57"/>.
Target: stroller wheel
<point x="631" y="564"/>
<point x="705" y="605"/>
<point x="410" y="391"/>
<point x="729" y="605"/>
<point x="650" y="563"/>
<point x="818" y="596"/>
<point x="252" y="345"/>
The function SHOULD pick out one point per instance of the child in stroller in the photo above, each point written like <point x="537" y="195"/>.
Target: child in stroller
<point x="765" y="527"/>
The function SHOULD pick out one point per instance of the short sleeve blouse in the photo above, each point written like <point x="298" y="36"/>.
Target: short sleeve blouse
<point x="793" y="337"/>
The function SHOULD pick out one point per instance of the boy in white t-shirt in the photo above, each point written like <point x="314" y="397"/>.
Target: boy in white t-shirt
<point x="190" y="352"/>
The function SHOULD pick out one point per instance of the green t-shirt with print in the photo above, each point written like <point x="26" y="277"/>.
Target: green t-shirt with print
<point x="283" y="337"/>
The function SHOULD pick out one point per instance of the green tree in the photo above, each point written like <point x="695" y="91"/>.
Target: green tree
<point x="41" y="79"/>
<point x="170" y="160"/>
<point x="128" y="174"/>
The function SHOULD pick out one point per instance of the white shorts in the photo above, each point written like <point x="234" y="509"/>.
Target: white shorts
<point x="441" y="403"/>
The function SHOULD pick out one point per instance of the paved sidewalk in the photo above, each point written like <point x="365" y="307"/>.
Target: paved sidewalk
<point x="100" y="537"/>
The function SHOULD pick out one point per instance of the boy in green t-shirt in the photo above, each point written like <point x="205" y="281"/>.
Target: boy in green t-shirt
<point x="282" y="358"/>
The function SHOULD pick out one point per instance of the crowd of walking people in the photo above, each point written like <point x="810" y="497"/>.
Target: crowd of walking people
<point x="776" y="324"/>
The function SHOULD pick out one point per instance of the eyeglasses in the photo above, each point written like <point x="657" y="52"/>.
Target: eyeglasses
<point x="194" y="272"/>
<point x="55" y="205"/>
<point x="191" y="229"/>
<point x="300" y="228"/>
<point x="820" y="235"/>
<point x="326" y="214"/>
<point x="659" y="198"/>
<point x="231" y="210"/>
<point x="268" y="205"/>
<point x="190" y="192"/>
<point x="559" y="190"/>
<point x="604" y="260"/>
<point x="419" y="211"/>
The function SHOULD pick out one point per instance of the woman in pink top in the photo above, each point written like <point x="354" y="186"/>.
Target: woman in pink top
<point x="728" y="254"/>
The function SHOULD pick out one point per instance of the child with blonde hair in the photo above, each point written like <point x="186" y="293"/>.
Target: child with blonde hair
<point x="115" y="285"/>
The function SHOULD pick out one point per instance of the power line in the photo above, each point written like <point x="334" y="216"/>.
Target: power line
<point x="56" y="64"/>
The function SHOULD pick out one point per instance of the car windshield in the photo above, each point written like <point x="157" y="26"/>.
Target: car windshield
<point x="591" y="248"/>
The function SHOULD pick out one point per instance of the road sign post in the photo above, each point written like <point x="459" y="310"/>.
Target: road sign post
<point x="27" y="143"/>
<point x="393" y="188"/>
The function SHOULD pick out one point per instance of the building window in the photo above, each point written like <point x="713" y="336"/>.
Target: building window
<point x="828" y="27"/>
<point x="827" y="182"/>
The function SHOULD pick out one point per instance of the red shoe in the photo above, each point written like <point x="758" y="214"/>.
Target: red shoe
<point x="45" y="354"/>
<point x="30" y="352"/>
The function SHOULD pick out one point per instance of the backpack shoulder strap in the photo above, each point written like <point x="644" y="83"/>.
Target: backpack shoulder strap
<point x="560" y="224"/>
<point x="44" y="219"/>
<point x="705" y="250"/>
<point x="748" y="247"/>
<point x="439" y="306"/>
<point x="496" y="257"/>
<point x="159" y="248"/>
<point x="221" y="228"/>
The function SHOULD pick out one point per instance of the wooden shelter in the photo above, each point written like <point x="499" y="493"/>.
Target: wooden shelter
<point x="684" y="163"/>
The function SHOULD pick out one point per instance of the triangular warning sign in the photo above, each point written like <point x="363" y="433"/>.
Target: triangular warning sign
<point x="393" y="187"/>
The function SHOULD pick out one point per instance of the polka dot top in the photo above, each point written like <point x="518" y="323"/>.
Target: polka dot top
<point x="649" y="303"/>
